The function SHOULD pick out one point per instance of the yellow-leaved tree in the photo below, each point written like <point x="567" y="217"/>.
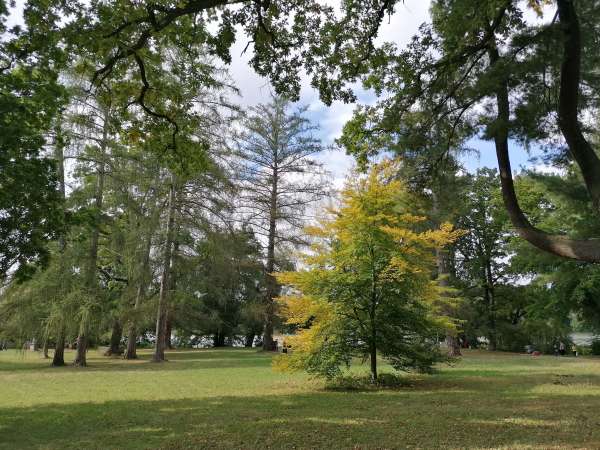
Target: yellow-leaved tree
<point x="367" y="287"/>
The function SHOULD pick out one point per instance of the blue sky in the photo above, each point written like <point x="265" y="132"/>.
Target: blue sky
<point x="399" y="29"/>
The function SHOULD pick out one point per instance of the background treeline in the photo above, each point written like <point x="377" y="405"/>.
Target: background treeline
<point x="139" y="201"/>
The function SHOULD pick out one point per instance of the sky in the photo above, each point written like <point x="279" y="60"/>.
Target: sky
<point x="399" y="29"/>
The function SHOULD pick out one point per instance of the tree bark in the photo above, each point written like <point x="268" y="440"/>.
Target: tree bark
<point x="169" y="330"/>
<point x="249" y="340"/>
<point x="81" y="352"/>
<point x="491" y="304"/>
<point x="582" y="250"/>
<point x="82" y="340"/>
<point x="161" y="319"/>
<point x="45" y="349"/>
<point x="271" y="282"/>
<point x="58" y="359"/>
<point x="443" y="274"/>
<point x="115" y="339"/>
<point x="568" y="107"/>
<point x="172" y="288"/>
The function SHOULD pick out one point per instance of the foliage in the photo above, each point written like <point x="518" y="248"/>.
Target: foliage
<point x="30" y="99"/>
<point x="367" y="286"/>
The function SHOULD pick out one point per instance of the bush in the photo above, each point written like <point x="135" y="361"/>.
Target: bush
<point x="363" y="382"/>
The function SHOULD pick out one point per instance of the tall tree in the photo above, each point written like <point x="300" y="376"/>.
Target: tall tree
<point x="280" y="179"/>
<point x="31" y="97"/>
<point x="367" y="287"/>
<point x="482" y="253"/>
<point x="500" y="77"/>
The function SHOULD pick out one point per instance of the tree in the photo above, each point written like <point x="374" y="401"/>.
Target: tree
<point x="221" y="284"/>
<point x="481" y="255"/>
<point x="30" y="99"/>
<point x="368" y="286"/>
<point x="280" y="179"/>
<point x="498" y="77"/>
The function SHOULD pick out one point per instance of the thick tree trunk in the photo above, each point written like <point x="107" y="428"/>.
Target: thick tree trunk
<point x="115" y="339"/>
<point x="58" y="359"/>
<point x="582" y="250"/>
<point x="271" y="282"/>
<point x="81" y="353"/>
<point x="161" y="319"/>
<point x="249" y="340"/>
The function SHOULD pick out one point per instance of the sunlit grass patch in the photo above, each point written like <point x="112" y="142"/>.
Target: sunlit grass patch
<point x="233" y="399"/>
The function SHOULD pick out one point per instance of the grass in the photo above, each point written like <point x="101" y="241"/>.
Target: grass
<point x="232" y="399"/>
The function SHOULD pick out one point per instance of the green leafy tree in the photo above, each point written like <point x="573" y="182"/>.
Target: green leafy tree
<point x="483" y="69"/>
<point x="367" y="288"/>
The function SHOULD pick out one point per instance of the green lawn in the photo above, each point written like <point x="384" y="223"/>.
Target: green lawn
<point x="232" y="399"/>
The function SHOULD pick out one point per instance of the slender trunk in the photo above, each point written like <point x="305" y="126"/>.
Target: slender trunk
<point x="172" y="288"/>
<point x="373" y="345"/>
<point x="268" y="343"/>
<point x="58" y="359"/>
<point x="452" y="342"/>
<point x="82" y="340"/>
<point x="491" y="303"/>
<point x="373" y="354"/>
<point x="59" y="350"/>
<point x="131" y="352"/>
<point x="249" y="340"/>
<point x="45" y="349"/>
<point x="169" y="330"/>
<point x="115" y="339"/>
<point x="219" y="339"/>
<point x="161" y="319"/>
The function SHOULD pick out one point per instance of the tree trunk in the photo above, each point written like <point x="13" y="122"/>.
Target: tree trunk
<point x="131" y="352"/>
<point x="81" y="353"/>
<point x="161" y="319"/>
<point x="82" y="340"/>
<point x="172" y="288"/>
<point x="452" y="342"/>
<point x="168" y="332"/>
<point x="582" y="250"/>
<point x="271" y="282"/>
<point x="58" y="359"/>
<point x="373" y="355"/>
<point x="491" y="303"/>
<point x="249" y="340"/>
<point x="45" y="349"/>
<point x="219" y="339"/>
<point x="115" y="339"/>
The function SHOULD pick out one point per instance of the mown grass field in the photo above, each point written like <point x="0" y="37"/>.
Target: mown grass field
<point x="232" y="399"/>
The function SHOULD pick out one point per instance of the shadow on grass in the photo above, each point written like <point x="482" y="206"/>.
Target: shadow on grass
<point x="316" y="420"/>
